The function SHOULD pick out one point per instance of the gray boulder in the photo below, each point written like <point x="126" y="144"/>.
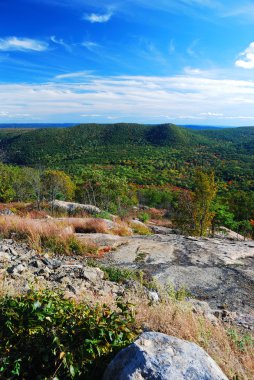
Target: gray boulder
<point x="156" y="356"/>
<point x="71" y="207"/>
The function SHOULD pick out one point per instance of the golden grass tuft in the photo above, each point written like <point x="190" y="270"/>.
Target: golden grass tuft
<point x="121" y="228"/>
<point x="139" y="228"/>
<point x="54" y="235"/>
<point x="87" y="225"/>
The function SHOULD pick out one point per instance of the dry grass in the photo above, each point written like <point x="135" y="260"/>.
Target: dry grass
<point x="10" y="225"/>
<point x="162" y="222"/>
<point x="87" y="225"/>
<point x="54" y="235"/>
<point x="177" y="319"/>
<point x="121" y="228"/>
<point x="157" y="213"/>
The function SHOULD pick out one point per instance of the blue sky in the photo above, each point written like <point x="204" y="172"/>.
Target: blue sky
<point x="153" y="61"/>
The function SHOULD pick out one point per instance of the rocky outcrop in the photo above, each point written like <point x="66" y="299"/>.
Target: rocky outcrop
<point x="71" y="207"/>
<point x="218" y="271"/>
<point x="223" y="232"/>
<point x="22" y="269"/>
<point x="156" y="356"/>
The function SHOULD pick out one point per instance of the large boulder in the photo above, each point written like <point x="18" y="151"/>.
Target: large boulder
<point x="71" y="207"/>
<point x="156" y="356"/>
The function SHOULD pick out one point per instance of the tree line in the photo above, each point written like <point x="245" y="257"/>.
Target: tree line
<point x="205" y="206"/>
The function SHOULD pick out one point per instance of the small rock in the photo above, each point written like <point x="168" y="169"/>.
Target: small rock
<point x="53" y="264"/>
<point x="13" y="251"/>
<point x="203" y="308"/>
<point x="4" y="257"/>
<point x="94" y="275"/>
<point x="153" y="296"/>
<point x="6" y="211"/>
<point x="71" y="289"/>
<point x="36" y="264"/>
<point x="16" y="269"/>
<point x="45" y="272"/>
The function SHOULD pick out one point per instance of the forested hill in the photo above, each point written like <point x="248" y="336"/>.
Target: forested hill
<point x="135" y="150"/>
<point x="28" y="146"/>
<point x="241" y="138"/>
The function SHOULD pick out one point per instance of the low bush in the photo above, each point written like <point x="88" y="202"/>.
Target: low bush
<point x="144" y="217"/>
<point x="140" y="229"/>
<point x="69" y="246"/>
<point x="44" y="336"/>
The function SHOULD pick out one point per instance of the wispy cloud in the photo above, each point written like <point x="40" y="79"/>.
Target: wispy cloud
<point x="179" y="99"/>
<point x="61" y="42"/>
<point x="192" y="48"/>
<point x="171" y="48"/>
<point x="246" y="58"/>
<point x="246" y="10"/>
<point x="90" y="45"/>
<point x="77" y="74"/>
<point x="22" y="44"/>
<point x="98" y="18"/>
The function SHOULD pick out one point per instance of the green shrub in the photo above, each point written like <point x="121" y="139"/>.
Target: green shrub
<point x="144" y="217"/>
<point x="69" y="246"/>
<point x="118" y="274"/>
<point x="242" y="341"/>
<point x="104" y="215"/>
<point x="115" y="274"/>
<point x="44" y="336"/>
<point x="139" y="229"/>
<point x="177" y="294"/>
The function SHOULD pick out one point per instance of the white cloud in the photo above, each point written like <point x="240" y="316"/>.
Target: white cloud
<point x="211" y="114"/>
<point x="132" y="98"/>
<point x="194" y="71"/>
<point x="22" y="44"/>
<point x="90" y="45"/>
<point x="8" y="115"/>
<point x="77" y="74"/>
<point x="98" y="18"/>
<point x="246" y="58"/>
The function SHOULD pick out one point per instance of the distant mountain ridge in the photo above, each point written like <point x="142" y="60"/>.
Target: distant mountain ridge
<point x="63" y="125"/>
<point x="95" y="143"/>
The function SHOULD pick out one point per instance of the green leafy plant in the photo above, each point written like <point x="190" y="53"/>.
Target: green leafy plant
<point x="242" y="341"/>
<point x="115" y="274"/>
<point x="177" y="294"/>
<point x="44" y="336"/>
<point x="144" y="217"/>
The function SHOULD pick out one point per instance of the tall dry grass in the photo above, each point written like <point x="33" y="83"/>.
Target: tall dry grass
<point x="87" y="225"/>
<point x="55" y="235"/>
<point x="178" y="319"/>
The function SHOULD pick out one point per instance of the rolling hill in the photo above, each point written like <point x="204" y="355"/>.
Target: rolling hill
<point x="28" y="147"/>
<point x="143" y="153"/>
